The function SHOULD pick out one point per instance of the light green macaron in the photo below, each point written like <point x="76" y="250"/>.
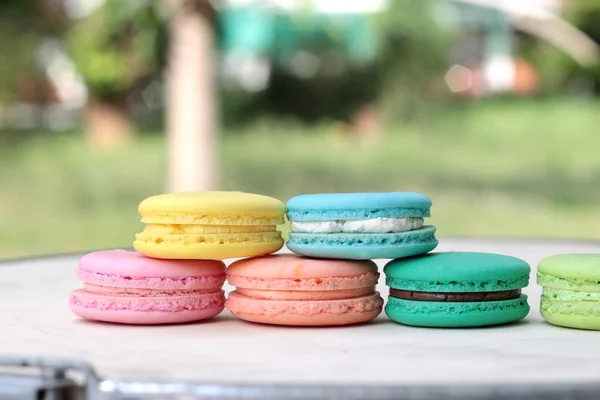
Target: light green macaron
<point x="571" y="290"/>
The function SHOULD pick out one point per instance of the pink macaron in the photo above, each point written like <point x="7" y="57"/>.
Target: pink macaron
<point x="125" y="287"/>
<point x="295" y="290"/>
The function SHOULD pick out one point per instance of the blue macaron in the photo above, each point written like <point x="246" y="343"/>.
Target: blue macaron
<point x="360" y="225"/>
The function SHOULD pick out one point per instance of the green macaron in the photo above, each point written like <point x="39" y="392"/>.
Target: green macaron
<point x="457" y="289"/>
<point x="570" y="290"/>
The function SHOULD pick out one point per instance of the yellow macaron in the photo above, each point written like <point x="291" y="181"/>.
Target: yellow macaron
<point x="210" y="225"/>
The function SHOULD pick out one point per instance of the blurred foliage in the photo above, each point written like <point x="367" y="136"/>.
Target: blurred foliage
<point x="585" y="14"/>
<point x="403" y="76"/>
<point x="559" y="72"/>
<point x="412" y="57"/>
<point x="521" y="169"/>
<point x="24" y="23"/>
<point x="118" y="46"/>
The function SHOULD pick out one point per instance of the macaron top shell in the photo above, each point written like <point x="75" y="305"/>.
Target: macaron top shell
<point x="291" y="272"/>
<point x="458" y="272"/>
<point x="354" y="206"/>
<point x="217" y="203"/>
<point x="572" y="266"/>
<point x="292" y="266"/>
<point x="126" y="263"/>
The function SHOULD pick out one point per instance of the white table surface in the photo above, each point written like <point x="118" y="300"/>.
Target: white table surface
<point x="36" y="321"/>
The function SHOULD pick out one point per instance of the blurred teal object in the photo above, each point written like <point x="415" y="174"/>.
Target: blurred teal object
<point x="248" y="30"/>
<point x="257" y="30"/>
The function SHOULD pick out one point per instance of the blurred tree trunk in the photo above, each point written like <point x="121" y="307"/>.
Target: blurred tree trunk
<point x="191" y="105"/>
<point x="108" y="124"/>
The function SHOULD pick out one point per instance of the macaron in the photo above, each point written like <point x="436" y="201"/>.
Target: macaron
<point x="124" y="287"/>
<point x="360" y="226"/>
<point x="209" y="225"/>
<point x="570" y="290"/>
<point x="292" y="290"/>
<point x="457" y="289"/>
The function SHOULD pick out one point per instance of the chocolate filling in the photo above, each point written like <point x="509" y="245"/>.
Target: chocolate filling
<point x="459" y="297"/>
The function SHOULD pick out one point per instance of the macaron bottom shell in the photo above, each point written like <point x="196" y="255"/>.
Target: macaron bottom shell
<point x="130" y="317"/>
<point x="305" y="312"/>
<point x="575" y="321"/>
<point x="205" y="251"/>
<point x="456" y="314"/>
<point x="366" y="246"/>
<point x="146" y="310"/>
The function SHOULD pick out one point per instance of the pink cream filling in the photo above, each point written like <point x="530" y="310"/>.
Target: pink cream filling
<point x="238" y="303"/>
<point x="81" y="298"/>
<point x="214" y="282"/>
<point x="317" y="284"/>
<point x="116" y="291"/>
<point x="306" y="295"/>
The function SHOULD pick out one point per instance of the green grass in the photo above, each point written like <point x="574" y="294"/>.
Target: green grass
<point x="523" y="169"/>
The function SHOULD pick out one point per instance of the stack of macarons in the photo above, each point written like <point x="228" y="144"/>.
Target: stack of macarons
<point x="332" y="279"/>
<point x="177" y="271"/>
<point x="450" y="289"/>
<point x="176" y="274"/>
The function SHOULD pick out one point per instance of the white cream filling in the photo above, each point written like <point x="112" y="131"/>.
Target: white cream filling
<point x="374" y="225"/>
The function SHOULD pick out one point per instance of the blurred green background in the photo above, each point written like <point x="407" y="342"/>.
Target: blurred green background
<point x="500" y="128"/>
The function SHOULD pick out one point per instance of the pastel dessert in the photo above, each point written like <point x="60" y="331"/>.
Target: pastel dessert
<point x="124" y="287"/>
<point x="292" y="290"/>
<point x="457" y="289"/>
<point x="210" y="225"/>
<point x="570" y="290"/>
<point x="360" y="226"/>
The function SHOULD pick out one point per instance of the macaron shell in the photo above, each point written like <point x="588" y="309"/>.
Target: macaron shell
<point x="292" y="272"/>
<point x="305" y="312"/>
<point x="207" y="251"/>
<point x="366" y="246"/>
<point x="338" y="206"/>
<point x="212" y="208"/>
<point x="293" y="266"/>
<point x="576" y="321"/>
<point x="571" y="308"/>
<point x="572" y="266"/>
<point x="150" y="309"/>
<point x="144" y="317"/>
<point x="125" y="263"/>
<point x="485" y="270"/>
<point x="312" y="320"/>
<point x="456" y="314"/>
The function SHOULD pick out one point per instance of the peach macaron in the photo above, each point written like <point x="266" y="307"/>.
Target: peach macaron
<point x="293" y="290"/>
